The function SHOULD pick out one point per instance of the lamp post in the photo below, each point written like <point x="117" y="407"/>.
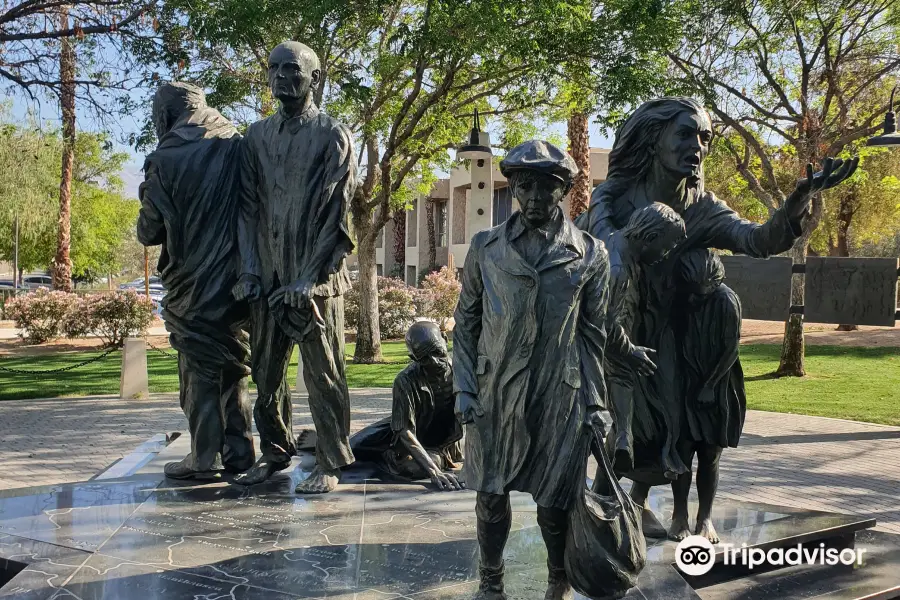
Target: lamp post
<point x="479" y="208"/>
<point x="890" y="137"/>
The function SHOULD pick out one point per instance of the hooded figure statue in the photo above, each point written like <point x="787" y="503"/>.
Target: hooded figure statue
<point x="188" y="206"/>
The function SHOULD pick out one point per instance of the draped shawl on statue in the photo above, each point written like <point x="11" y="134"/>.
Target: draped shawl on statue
<point x="189" y="205"/>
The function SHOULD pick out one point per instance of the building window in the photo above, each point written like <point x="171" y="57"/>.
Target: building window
<point x="379" y="270"/>
<point x="502" y="205"/>
<point x="411" y="276"/>
<point x="440" y="226"/>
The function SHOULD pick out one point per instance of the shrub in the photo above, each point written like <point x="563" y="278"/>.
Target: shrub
<point x="396" y="308"/>
<point x="440" y="294"/>
<point x="39" y="314"/>
<point x="116" y="316"/>
<point x="77" y="322"/>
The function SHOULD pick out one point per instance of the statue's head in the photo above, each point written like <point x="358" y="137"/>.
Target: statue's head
<point x="656" y="229"/>
<point x="674" y="133"/>
<point x="172" y="101"/>
<point x="294" y="72"/>
<point x="539" y="175"/>
<point x="427" y="345"/>
<point x="699" y="273"/>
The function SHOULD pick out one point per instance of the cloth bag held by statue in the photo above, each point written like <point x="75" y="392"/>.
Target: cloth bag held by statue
<point x="605" y="547"/>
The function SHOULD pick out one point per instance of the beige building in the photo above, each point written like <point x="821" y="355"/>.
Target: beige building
<point x="469" y="201"/>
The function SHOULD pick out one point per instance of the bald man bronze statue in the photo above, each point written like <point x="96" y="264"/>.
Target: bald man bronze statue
<point x="298" y="173"/>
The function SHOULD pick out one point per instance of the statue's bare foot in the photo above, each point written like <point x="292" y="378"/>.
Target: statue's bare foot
<point x="680" y="528"/>
<point x="651" y="525"/>
<point x="320" y="481"/>
<point x="263" y="469"/>
<point x="706" y="529"/>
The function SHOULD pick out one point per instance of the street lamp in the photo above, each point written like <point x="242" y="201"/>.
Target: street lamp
<point x="890" y="137"/>
<point x="474" y="150"/>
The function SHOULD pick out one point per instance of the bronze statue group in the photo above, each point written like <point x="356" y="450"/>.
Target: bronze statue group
<point x="623" y="310"/>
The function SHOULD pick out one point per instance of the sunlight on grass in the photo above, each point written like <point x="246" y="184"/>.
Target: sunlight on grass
<point x="861" y="384"/>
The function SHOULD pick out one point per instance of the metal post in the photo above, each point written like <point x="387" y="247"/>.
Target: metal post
<point x="16" y="264"/>
<point x="147" y="272"/>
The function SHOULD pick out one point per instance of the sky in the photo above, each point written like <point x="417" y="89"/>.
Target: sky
<point x="132" y="176"/>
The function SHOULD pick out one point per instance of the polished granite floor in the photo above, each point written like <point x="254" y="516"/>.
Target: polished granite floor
<point x="145" y="538"/>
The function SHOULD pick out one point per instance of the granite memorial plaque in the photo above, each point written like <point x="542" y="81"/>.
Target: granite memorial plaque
<point x="762" y="284"/>
<point x="855" y="291"/>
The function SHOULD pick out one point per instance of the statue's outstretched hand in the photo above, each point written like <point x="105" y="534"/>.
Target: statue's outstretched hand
<point x="641" y="360"/>
<point x="468" y="407"/>
<point x="834" y="171"/>
<point x="247" y="288"/>
<point x="445" y="482"/>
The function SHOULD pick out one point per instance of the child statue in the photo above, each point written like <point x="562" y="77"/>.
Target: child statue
<point x="712" y="381"/>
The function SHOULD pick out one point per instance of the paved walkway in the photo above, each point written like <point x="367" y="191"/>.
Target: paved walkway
<point x="793" y="460"/>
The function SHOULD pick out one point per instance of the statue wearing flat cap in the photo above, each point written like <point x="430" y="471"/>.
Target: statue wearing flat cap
<point x="298" y="173"/>
<point x="528" y="348"/>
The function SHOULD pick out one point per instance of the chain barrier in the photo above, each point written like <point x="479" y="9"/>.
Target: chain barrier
<point x="160" y="350"/>
<point x="61" y="369"/>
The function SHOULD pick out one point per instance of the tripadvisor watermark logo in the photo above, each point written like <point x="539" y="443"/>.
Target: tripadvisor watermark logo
<point x="695" y="555"/>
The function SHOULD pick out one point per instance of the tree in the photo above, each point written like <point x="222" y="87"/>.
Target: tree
<point x="38" y="54"/>
<point x="806" y="79"/>
<point x="29" y="184"/>
<point x="33" y="36"/>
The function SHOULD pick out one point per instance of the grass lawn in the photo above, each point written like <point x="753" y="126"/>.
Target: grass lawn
<point x="862" y="384"/>
<point x="102" y="377"/>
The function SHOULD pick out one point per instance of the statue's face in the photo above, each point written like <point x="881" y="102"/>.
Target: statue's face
<point x="684" y="144"/>
<point x="290" y="77"/>
<point x="658" y="244"/>
<point x="697" y="292"/>
<point x="537" y="194"/>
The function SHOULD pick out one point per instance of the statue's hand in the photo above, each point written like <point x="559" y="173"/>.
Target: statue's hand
<point x="468" y="407"/>
<point x="834" y="171"/>
<point x="641" y="360"/>
<point x="594" y="419"/>
<point x="299" y="293"/>
<point x="445" y="482"/>
<point x="706" y="398"/>
<point x="247" y="288"/>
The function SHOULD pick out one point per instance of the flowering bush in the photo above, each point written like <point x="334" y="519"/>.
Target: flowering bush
<point x="40" y="314"/>
<point x="77" y="321"/>
<point x="395" y="303"/>
<point x="439" y="295"/>
<point x="116" y="316"/>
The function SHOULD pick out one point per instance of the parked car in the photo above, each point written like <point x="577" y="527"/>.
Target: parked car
<point x="7" y="284"/>
<point x="33" y="282"/>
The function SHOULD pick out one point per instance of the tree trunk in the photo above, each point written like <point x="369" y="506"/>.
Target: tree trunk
<point x="368" y="331"/>
<point x="400" y="242"/>
<point x="842" y="249"/>
<point x="62" y="262"/>
<point x="793" y="348"/>
<point x="579" y="148"/>
<point x="432" y="243"/>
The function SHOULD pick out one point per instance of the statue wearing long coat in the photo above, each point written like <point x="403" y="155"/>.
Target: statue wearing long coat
<point x="529" y="343"/>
